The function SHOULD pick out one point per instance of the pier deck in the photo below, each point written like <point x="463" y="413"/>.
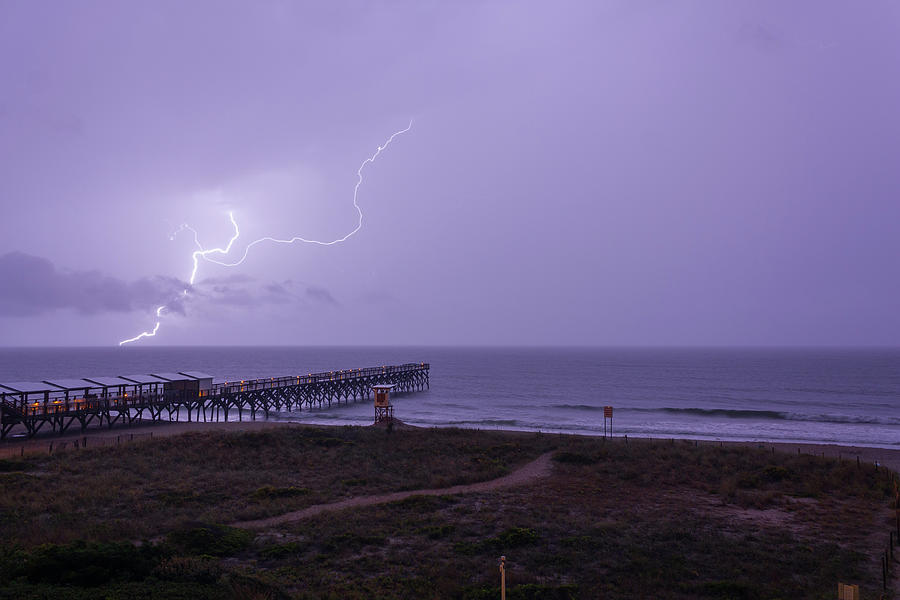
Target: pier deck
<point x="28" y="407"/>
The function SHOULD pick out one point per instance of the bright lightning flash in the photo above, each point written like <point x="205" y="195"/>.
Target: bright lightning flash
<point x="200" y="253"/>
<point x="359" y="180"/>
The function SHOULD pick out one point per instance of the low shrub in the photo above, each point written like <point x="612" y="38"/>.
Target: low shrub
<point x="89" y="563"/>
<point x="513" y="537"/>
<point x="352" y="541"/>
<point x="190" y="569"/>
<point x="775" y="473"/>
<point x="214" y="540"/>
<point x="268" y="492"/>
<point x="517" y="536"/>
<point x="528" y="591"/>
<point x="574" y="458"/>
<point x="331" y="442"/>
<point x="10" y="466"/>
<point x="185" y="498"/>
<point x="730" y="590"/>
<point x="250" y="587"/>
<point x="422" y="503"/>
<point x="283" y="550"/>
<point x="436" y="532"/>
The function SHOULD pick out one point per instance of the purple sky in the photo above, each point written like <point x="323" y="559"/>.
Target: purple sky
<point x="603" y="173"/>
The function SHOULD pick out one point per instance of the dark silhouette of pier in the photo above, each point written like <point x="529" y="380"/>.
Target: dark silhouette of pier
<point x="28" y="407"/>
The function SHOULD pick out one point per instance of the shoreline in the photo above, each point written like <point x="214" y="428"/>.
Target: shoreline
<point x="888" y="457"/>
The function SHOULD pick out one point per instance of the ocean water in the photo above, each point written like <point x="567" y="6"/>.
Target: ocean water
<point x="846" y="396"/>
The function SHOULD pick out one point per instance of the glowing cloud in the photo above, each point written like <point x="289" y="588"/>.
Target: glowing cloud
<point x="205" y="254"/>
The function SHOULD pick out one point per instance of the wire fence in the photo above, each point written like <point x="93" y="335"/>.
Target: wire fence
<point x="887" y="557"/>
<point x="72" y="444"/>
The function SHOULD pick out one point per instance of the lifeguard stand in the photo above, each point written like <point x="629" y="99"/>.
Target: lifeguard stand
<point x="383" y="409"/>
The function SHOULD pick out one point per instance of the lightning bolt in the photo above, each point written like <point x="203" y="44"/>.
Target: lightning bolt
<point x="359" y="180"/>
<point x="151" y="333"/>
<point x="204" y="254"/>
<point x="196" y="256"/>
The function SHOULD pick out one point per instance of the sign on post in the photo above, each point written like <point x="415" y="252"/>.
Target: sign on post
<point x="607" y="414"/>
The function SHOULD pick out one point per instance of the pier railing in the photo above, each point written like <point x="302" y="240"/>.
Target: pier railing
<point x="277" y="382"/>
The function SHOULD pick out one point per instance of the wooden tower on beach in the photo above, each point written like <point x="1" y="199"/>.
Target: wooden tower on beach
<point x="383" y="409"/>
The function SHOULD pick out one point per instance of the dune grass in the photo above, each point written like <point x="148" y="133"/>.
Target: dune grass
<point x="615" y="520"/>
<point x="145" y="489"/>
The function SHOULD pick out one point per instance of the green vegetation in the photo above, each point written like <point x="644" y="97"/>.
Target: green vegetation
<point x="149" y="488"/>
<point x="615" y="520"/>
<point x="209" y="540"/>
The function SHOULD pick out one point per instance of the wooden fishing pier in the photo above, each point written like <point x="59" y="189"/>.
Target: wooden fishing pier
<point x="27" y="407"/>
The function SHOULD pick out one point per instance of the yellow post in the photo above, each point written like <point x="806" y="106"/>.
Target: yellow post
<point x="502" y="578"/>
<point x="848" y="592"/>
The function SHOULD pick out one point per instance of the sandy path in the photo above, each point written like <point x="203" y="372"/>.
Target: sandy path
<point x="536" y="469"/>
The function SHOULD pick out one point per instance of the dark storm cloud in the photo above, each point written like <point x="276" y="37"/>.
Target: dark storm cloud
<point x="229" y="279"/>
<point x="230" y="296"/>
<point x="277" y="289"/>
<point x="32" y="285"/>
<point x="229" y="291"/>
<point x="760" y="36"/>
<point x="320" y="295"/>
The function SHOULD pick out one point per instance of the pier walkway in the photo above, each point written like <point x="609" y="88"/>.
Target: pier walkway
<point x="27" y="407"/>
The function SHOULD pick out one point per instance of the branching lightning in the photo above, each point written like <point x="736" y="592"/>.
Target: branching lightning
<point x="151" y="333"/>
<point x="204" y="254"/>
<point x="359" y="180"/>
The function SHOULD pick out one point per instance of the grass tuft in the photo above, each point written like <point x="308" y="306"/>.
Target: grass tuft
<point x="208" y="539"/>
